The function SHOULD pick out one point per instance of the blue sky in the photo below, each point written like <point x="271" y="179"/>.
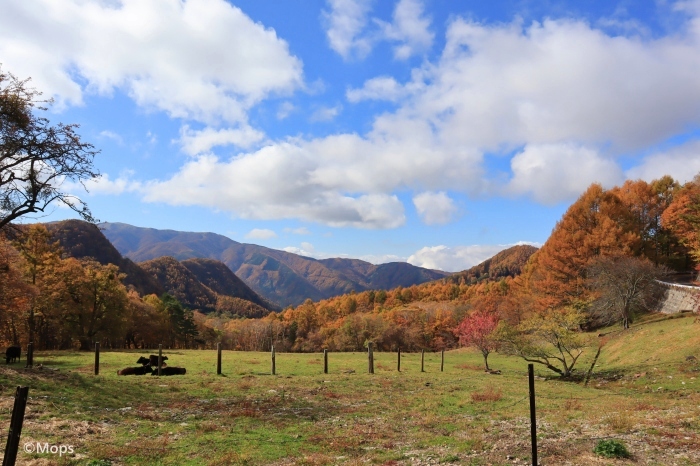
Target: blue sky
<point x="431" y="131"/>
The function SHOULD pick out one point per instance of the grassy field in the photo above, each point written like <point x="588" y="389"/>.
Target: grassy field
<point x="644" y="392"/>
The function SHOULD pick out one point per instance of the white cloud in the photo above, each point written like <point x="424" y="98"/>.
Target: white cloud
<point x="170" y="55"/>
<point x="104" y="185"/>
<point x="299" y="251"/>
<point x="113" y="136"/>
<point x="326" y="113"/>
<point x="409" y="28"/>
<point x="379" y="88"/>
<point x="298" y="231"/>
<point x="435" y="208"/>
<point x="563" y="81"/>
<point x="381" y="258"/>
<point x="308" y="250"/>
<point x="261" y="233"/>
<point x="344" y="24"/>
<point x="573" y="98"/>
<point x="457" y="258"/>
<point x="195" y="142"/>
<point x="284" y="110"/>
<point x="681" y="162"/>
<point x="279" y="181"/>
<point x="552" y="173"/>
<point x="152" y="137"/>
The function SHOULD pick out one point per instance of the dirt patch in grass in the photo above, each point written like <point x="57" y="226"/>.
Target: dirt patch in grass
<point x="490" y="394"/>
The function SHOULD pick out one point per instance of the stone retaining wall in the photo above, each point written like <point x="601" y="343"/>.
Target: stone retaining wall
<point x="679" y="298"/>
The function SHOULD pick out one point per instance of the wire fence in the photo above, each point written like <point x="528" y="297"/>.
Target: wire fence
<point x="500" y="405"/>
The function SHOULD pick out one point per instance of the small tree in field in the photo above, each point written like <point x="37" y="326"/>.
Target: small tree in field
<point x="553" y="339"/>
<point x="477" y="330"/>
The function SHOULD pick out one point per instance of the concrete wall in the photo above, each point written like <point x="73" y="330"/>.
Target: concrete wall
<point x="679" y="298"/>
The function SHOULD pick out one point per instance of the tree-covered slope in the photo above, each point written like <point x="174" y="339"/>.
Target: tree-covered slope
<point x="81" y="239"/>
<point x="507" y="263"/>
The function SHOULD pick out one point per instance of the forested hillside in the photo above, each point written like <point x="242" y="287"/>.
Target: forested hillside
<point x="217" y="291"/>
<point x="221" y="280"/>
<point x="620" y="238"/>
<point x="83" y="240"/>
<point x="68" y="293"/>
<point x="181" y="283"/>
<point x="278" y="276"/>
<point x="66" y="286"/>
<point x="507" y="263"/>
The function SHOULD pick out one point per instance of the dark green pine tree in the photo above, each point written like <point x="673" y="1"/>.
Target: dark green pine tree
<point x="184" y="329"/>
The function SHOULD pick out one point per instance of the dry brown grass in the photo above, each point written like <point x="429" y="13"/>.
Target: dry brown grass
<point x="572" y="404"/>
<point x="207" y="426"/>
<point x="488" y="394"/>
<point x="643" y="406"/>
<point x="469" y="367"/>
<point x="620" y="421"/>
<point x="244" y="386"/>
<point x="231" y="458"/>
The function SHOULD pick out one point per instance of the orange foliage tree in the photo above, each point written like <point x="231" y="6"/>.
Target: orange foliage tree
<point x="16" y="296"/>
<point x="591" y="227"/>
<point x="682" y="218"/>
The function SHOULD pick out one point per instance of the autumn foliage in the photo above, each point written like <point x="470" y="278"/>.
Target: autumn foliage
<point x="64" y="302"/>
<point x="477" y="330"/>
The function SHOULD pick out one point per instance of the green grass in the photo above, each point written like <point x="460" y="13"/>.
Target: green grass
<point x="643" y="392"/>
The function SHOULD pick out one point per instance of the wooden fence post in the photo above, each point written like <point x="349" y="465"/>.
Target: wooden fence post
<point x="16" y="422"/>
<point x="30" y="354"/>
<point x="533" y="417"/>
<point x="442" y="361"/>
<point x="218" y="359"/>
<point x="422" y="360"/>
<point x="160" y="359"/>
<point x="398" y="360"/>
<point x="370" y="357"/>
<point x="97" y="358"/>
<point x="274" y="371"/>
<point x="325" y="361"/>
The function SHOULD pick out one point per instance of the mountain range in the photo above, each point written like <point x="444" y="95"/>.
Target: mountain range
<point x="281" y="277"/>
<point x="203" y="284"/>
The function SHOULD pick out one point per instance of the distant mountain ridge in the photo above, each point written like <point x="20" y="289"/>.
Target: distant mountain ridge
<point x="81" y="240"/>
<point x="280" y="277"/>
<point x="203" y="284"/>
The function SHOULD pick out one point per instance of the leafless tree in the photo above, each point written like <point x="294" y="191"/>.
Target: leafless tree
<point x="623" y="287"/>
<point x="36" y="158"/>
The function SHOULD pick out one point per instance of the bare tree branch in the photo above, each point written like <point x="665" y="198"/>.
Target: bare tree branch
<point x="36" y="158"/>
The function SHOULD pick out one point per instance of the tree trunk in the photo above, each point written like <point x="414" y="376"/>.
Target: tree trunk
<point x="85" y="344"/>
